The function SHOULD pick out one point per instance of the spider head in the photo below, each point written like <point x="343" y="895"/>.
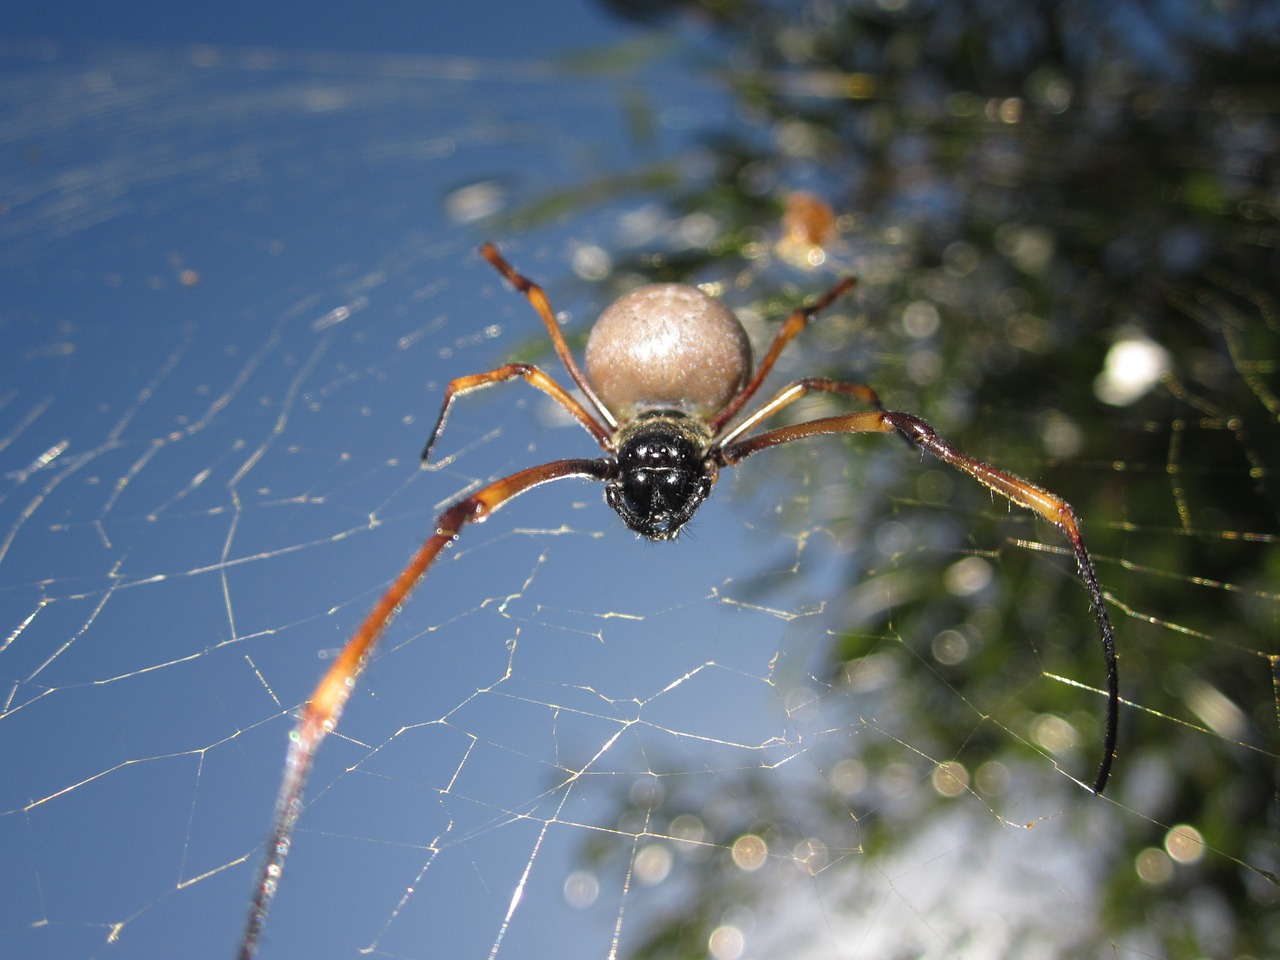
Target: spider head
<point x="663" y="473"/>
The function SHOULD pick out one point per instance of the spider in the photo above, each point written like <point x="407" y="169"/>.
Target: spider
<point x="668" y="369"/>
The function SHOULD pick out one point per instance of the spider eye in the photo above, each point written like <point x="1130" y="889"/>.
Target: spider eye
<point x="661" y="480"/>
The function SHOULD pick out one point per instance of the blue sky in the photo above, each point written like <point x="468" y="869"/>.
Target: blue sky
<point x="211" y="475"/>
<point x="487" y="28"/>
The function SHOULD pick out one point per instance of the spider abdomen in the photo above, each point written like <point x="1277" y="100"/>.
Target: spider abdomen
<point x="667" y="345"/>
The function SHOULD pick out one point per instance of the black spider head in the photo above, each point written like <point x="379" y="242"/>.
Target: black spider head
<point x="663" y="474"/>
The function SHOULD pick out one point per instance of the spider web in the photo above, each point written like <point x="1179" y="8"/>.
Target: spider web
<point x="236" y="286"/>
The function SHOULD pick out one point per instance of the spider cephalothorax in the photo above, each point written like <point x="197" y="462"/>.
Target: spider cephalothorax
<point x="668" y="374"/>
<point x="663" y="472"/>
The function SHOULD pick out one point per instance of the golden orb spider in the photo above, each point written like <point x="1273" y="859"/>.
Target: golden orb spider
<point x="668" y="368"/>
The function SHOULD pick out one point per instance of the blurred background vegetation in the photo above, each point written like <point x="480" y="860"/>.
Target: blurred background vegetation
<point x="1064" y="220"/>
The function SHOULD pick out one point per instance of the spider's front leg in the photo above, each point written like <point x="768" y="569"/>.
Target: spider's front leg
<point x="321" y="713"/>
<point x="1022" y="492"/>
<point x="793" y="392"/>
<point x="1058" y="512"/>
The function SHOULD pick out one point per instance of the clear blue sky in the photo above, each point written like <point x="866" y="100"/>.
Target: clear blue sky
<point x="488" y="28"/>
<point x="331" y="297"/>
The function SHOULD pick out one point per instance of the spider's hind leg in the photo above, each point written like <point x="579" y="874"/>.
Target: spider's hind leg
<point x="510" y="371"/>
<point x="542" y="306"/>
<point x="795" y="322"/>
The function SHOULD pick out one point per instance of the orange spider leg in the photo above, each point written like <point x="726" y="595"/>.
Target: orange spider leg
<point x="320" y="715"/>
<point x="534" y="376"/>
<point x="797" y="321"/>
<point x="1022" y="492"/>
<point x="538" y="299"/>
<point x="793" y="392"/>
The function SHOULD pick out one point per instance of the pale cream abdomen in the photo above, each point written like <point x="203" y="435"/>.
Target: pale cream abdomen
<point x="667" y="345"/>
